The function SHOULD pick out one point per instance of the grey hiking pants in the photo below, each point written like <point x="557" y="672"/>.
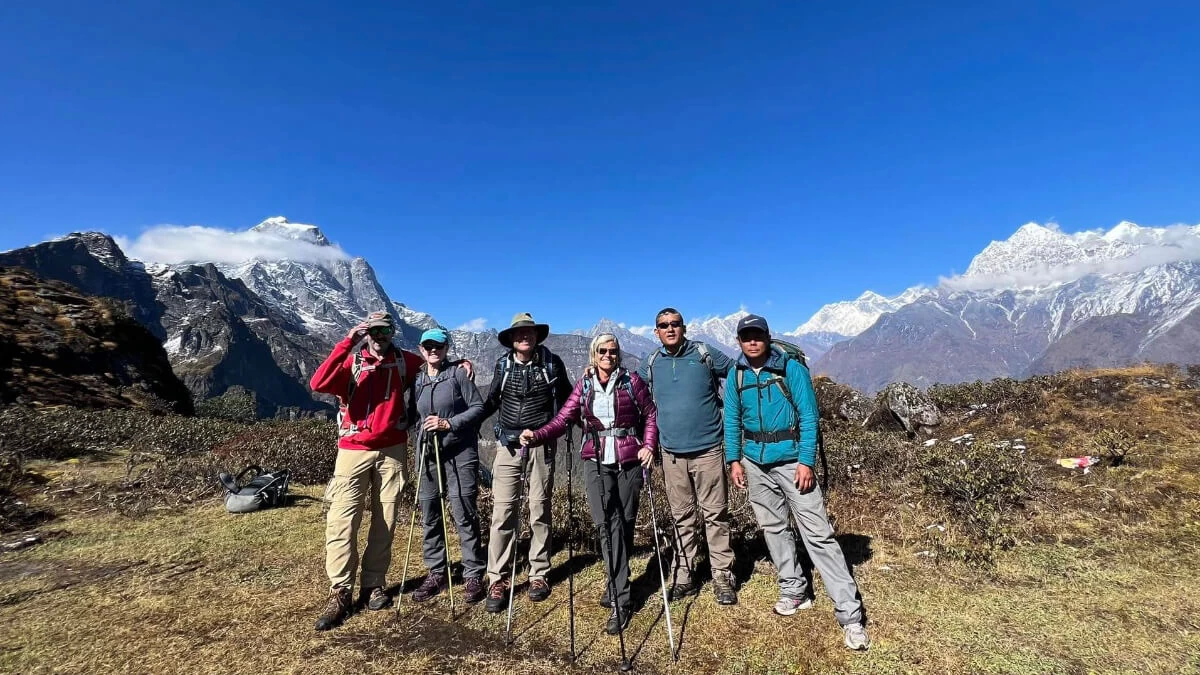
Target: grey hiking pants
<point x="613" y="495"/>
<point x="773" y="494"/>
<point x="460" y="479"/>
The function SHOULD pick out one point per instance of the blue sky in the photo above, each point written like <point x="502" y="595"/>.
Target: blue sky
<point x="609" y="158"/>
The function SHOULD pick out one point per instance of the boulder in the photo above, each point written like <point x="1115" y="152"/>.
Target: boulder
<point x="840" y="402"/>
<point x="902" y="403"/>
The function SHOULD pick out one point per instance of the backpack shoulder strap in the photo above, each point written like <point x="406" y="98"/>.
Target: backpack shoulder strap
<point x="549" y="371"/>
<point x="650" y="368"/>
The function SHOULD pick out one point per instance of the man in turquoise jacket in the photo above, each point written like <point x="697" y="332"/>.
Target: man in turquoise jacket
<point x="771" y="445"/>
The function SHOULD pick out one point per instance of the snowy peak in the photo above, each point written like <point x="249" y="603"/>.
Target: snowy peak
<point x="1041" y="255"/>
<point x="279" y="226"/>
<point x="102" y="247"/>
<point x="631" y="342"/>
<point x="718" y="331"/>
<point x="851" y="317"/>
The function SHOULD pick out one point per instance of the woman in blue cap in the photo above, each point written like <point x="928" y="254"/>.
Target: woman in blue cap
<point x="450" y="409"/>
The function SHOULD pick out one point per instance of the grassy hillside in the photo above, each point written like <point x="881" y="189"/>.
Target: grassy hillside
<point x="974" y="553"/>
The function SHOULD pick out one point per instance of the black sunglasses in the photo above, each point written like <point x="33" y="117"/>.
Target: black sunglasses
<point x="669" y="324"/>
<point x="429" y="345"/>
<point x="602" y="351"/>
<point x="380" y="331"/>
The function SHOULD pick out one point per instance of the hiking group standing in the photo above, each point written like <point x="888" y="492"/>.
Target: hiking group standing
<point x="688" y="405"/>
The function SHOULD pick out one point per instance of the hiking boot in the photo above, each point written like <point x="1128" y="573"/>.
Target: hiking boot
<point x="376" y="598"/>
<point x="337" y="608"/>
<point x="789" y="605"/>
<point x="497" y="596"/>
<point x="473" y="590"/>
<point x="618" y="621"/>
<point x="856" y="637"/>
<point x="539" y="590"/>
<point x="680" y="590"/>
<point x="605" y="600"/>
<point x="434" y="584"/>
<point x="724" y="589"/>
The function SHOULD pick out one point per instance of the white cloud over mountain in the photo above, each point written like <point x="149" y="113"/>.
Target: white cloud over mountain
<point x="475" y="325"/>
<point x="173" y="244"/>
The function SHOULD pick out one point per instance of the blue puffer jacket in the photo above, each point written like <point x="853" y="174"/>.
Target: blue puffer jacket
<point x="762" y="407"/>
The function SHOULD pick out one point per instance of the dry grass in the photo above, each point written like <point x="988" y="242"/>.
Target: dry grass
<point x="1105" y="577"/>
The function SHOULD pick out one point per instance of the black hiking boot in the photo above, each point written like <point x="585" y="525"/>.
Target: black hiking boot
<point x="473" y="590"/>
<point x="337" y="608"/>
<point x="605" y="601"/>
<point x="375" y="598"/>
<point x="433" y="585"/>
<point x="618" y="621"/>
<point x="539" y="590"/>
<point x="724" y="589"/>
<point x="680" y="590"/>
<point x="497" y="597"/>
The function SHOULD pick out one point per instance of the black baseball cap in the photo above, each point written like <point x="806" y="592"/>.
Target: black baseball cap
<point x="751" y="321"/>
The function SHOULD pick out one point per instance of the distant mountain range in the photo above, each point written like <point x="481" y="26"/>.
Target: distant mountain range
<point x="1041" y="300"/>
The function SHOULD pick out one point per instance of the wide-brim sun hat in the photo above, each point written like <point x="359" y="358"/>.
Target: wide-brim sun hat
<point x="523" y="320"/>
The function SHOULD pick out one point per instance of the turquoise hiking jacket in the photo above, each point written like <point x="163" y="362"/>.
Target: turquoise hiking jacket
<point x="762" y="406"/>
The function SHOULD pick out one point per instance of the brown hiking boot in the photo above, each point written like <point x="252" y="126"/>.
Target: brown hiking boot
<point x="723" y="587"/>
<point x="337" y="608"/>
<point x="473" y="590"/>
<point x="497" y="597"/>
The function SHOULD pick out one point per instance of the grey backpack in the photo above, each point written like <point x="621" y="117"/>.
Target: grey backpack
<point x="264" y="489"/>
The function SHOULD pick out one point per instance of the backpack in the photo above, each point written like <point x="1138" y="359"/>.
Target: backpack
<point x="549" y="370"/>
<point x="705" y="359"/>
<point x="264" y="489"/>
<point x="398" y="365"/>
<point x="791" y="352"/>
<point x="624" y="381"/>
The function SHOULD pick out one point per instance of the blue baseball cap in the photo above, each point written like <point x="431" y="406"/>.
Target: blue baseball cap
<point x="435" y="335"/>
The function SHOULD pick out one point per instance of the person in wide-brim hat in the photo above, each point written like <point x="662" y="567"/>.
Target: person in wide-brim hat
<point x="523" y="320"/>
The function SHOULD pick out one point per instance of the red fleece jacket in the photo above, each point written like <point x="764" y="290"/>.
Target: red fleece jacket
<point x="377" y="408"/>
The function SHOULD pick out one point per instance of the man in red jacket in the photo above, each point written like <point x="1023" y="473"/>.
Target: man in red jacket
<point x="371" y="379"/>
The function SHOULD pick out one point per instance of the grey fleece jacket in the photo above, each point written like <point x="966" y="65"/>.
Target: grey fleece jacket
<point x="450" y="395"/>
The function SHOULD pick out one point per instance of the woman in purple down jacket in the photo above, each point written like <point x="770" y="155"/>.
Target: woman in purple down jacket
<point x="620" y="437"/>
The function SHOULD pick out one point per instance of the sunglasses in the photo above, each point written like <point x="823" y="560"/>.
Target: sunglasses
<point x="380" y="331"/>
<point x="605" y="351"/>
<point x="430" y="346"/>
<point x="669" y="324"/>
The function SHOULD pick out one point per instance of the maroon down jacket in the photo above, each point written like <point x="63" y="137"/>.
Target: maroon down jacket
<point x="628" y="415"/>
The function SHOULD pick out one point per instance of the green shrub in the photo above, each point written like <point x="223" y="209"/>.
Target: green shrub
<point x="998" y="395"/>
<point x="236" y="404"/>
<point x="983" y="485"/>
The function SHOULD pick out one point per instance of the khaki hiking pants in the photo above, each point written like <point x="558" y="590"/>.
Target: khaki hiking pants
<point x="698" y="493"/>
<point x="506" y="493"/>
<point x="357" y="475"/>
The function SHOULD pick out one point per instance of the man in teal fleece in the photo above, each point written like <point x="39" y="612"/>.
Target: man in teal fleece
<point x="771" y="444"/>
<point x="684" y="378"/>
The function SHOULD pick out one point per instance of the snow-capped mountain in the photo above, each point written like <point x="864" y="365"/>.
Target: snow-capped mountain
<point x="851" y="317"/>
<point x="718" y="331"/>
<point x="1039" y="301"/>
<point x="328" y="296"/>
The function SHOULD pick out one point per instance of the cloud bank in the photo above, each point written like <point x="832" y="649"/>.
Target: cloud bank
<point x="474" y="325"/>
<point x="174" y="244"/>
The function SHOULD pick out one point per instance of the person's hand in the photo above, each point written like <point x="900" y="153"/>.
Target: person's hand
<point x="806" y="480"/>
<point x="435" y="423"/>
<point x="646" y="455"/>
<point x="527" y="437"/>
<point x="737" y="474"/>
<point x="466" y="365"/>
<point x="358" y="332"/>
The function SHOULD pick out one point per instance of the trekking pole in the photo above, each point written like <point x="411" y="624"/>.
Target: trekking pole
<point x="443" y="498"/>
<point x="512" y="586"/>
<point x="661" y="575"/>
<point x="412" y="522"/>
<point x="626" y="666"/>
<point x="571" y="542"/>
